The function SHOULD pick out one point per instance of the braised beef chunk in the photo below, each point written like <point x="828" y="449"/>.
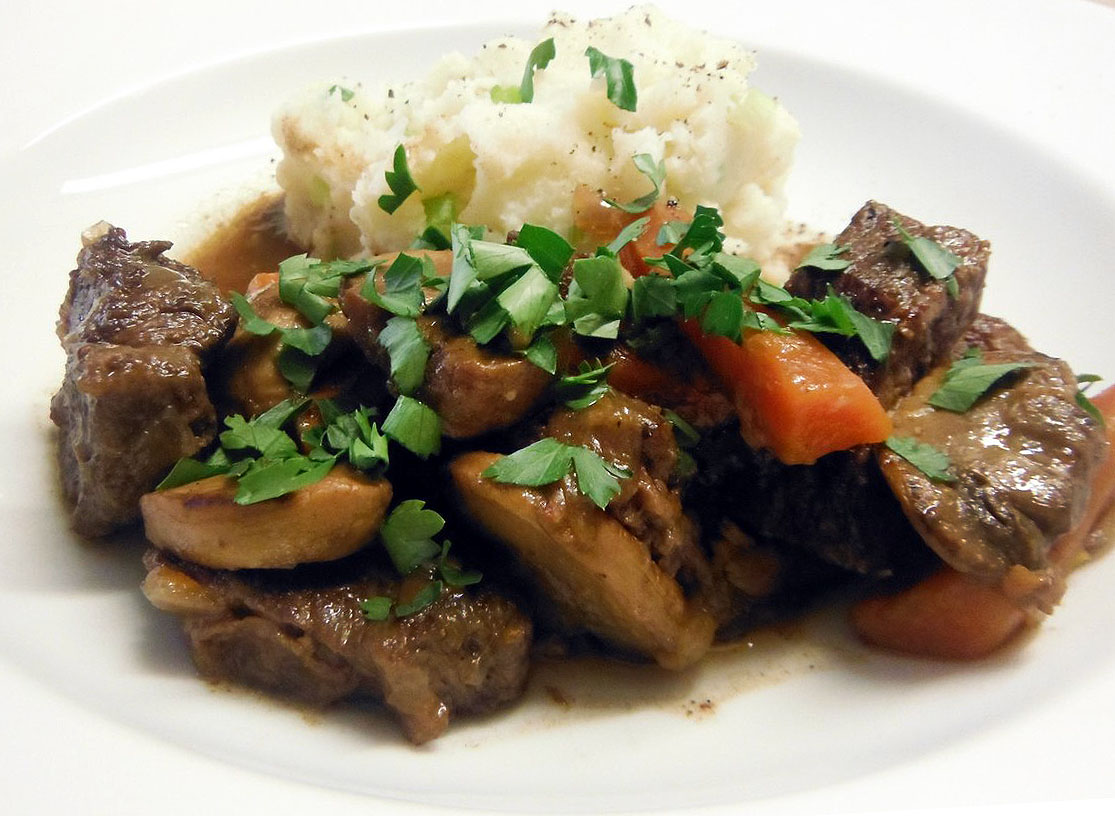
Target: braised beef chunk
<point x="885" y="282"/>
<point x="637" y="436"/>
<point x="136" y="327"/>
<point x="127" y="415"/>
<point x="839" y="509"/>
<point x="1022" y="458"/>
<point x="131" y="294"/>
<point x="303" y="635"/>
<point x="474" y="390"/>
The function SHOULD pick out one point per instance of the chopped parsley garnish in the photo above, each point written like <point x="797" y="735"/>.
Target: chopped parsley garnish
<point x="826" y="257"/>
<point x="1082" y="400"/>
<point x="631" y="232"/>
<point x="597" y="299"/>
<point x="267" y="462"/>
<point x="548" y="249"/>
<point x="415" y="426"/>
<point x="543" y="353"/>
<point x="586" y="387"/>
<point x="653" y="296"/>
<point x="619" y="75"/>
<point x="300" y="346"/>
<point x="656" y="172"/>
<point x="929" y="460"/>
<point x="305" y="283"/>
<point x="376" y="608"/>
<point x="538" y="59"/>
<point x="399" y="181"/>
<point x="934" y="259"/>
<point x="968" y="379"/>
<point x="422" y="598"/>
<point x="408" y="352"/>
<point x="346" y="93"/>
<point x="407" y="535"/>
<point x="548" y="461"/>
<point x="441" y="212"/>
<point x="402" y="286"/>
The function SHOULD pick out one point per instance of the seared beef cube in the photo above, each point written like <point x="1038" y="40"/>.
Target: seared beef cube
<point x="133" y="295"/>
<point x="1022" y="458"/>
<point x="474" y="390"/>
<point x="885" y="282"/>
<point x="839" y="508"/>
<point x="302" y="635"/>
<point x="137" y="327"/>
<point x="128" y="414"/>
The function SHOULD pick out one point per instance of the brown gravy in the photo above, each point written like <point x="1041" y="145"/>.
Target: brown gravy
<point x="252" y="241"/>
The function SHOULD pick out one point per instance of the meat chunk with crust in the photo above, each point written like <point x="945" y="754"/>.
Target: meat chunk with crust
<point x="474" y="389"/>
<point x="127" y="415"/>
<point x="302" y="635"/>
<point x="136" y="327"/>
<point x="1022" y="458"/>
<point x="885" y="282"/>
<point x="131" y="294"/>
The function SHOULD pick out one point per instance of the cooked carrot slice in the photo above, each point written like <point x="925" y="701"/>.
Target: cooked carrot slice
<point x="792" y="394"/>
<point x="948" y="615"/>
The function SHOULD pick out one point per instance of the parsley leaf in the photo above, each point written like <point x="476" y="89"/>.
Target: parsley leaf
<point x="415" y="426"/>
<point x="538" y="59"/>
<point x="269" y="479"/>
<point x="305" y="283"/>
<point x="967" y="380"/>
<point x="421" y="599"/>
<point x="402" y="287"/>
<point x="346" y="93"/>
<point x="543" y="353"/>
<point x="399" y="181"/>
<point x="352" y="434"/>
<point x="407" y="535"/>
<point x="376" y="608"/>
<point x="826" y="257"/>
<point x="586" y="387"/>
<point x="653" y="296"/>
<point x="441" y="212"/>
<point x="631" y="232"/>
<point x="408" y="352"/>
<point x="656" y="172"/>
<point x="548" y="249"/>
<point x="548" y="461"/>
<point x="453" y="575"/>
<point x="619" y="75"/>
<point x="937" y="261"/>
<point x="932" y="462"/>
<point x="597" y="298"/>
<point x="527" y="302"/>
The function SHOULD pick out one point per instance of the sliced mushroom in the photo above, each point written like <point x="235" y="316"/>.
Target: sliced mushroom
<point x="599" y="576"/>
<point x="327" y="520"/>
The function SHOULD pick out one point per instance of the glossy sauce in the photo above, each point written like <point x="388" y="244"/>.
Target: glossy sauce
<point x="250" y="242"/>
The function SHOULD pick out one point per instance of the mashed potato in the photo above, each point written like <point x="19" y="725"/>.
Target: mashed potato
<point x="724" y="143"/>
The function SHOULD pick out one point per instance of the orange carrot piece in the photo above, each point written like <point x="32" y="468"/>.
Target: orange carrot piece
<point x="948" y="615"/>
<point x="792" y="394"/>
<point x="601" y="224"/>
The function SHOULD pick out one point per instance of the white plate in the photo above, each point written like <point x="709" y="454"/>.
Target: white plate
<point x="941" y="116"/>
